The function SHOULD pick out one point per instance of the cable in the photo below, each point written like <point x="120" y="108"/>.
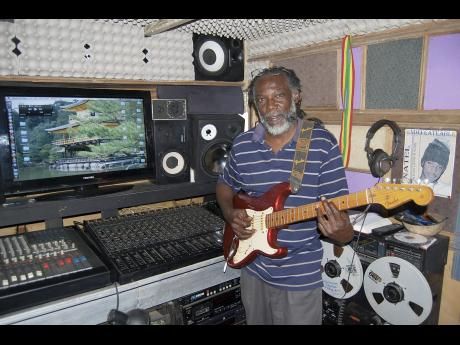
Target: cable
<point x="118" y="296"/>
<point x="363" y="215"/>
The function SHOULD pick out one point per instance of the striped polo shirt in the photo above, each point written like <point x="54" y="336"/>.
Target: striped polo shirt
<point x="252" y="167"/>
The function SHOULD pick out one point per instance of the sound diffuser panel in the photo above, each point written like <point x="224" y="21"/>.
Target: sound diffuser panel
<point x="318" y="77"/>
<point x="393" y="74"/>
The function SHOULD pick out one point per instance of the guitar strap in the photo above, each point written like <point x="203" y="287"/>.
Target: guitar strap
<point x="300" y="156"/>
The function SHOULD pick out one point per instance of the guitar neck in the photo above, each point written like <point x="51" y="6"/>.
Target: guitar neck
<point x="305" y="212"/>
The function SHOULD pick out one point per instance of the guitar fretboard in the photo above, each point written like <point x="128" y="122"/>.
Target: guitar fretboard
<point x="309" y="211"/>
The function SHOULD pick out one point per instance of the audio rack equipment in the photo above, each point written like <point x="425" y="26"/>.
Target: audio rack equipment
<point x="41" y="266"/>
<point x="140" y="245"/>
<point x="401" y="283"/>
<point x="216" y="305"/>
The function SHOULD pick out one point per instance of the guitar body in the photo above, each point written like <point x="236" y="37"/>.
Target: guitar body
<point x="268" y="209"/>
<point x="263" y="241"/>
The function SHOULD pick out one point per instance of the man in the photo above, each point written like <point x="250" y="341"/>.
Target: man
<point x="285" y="290"/>
<point x="434" y="163"/>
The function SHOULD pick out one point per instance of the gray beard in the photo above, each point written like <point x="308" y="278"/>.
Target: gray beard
<point x="290" y="117"/>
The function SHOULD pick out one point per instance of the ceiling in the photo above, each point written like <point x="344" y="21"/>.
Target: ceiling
<point x="247" y="29"/>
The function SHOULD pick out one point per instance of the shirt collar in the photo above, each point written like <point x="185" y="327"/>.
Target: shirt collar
<point x="259" y="132"/>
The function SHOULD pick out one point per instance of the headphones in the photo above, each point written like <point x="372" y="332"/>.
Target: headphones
<point x="379" y="161"/>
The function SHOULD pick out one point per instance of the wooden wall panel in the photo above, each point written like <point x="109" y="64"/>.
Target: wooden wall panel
<point x="318" y="77"/>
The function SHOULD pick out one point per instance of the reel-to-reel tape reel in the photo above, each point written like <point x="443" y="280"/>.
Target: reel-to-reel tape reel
<point x="395" y="279"/>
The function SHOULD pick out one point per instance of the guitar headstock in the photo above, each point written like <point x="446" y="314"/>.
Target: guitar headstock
<point x="392" y="195"/>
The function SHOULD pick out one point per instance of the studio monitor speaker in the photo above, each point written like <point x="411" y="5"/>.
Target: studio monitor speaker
<point x="172" y="155"/>
<point x="212" y="137"/>
<point x="218" y="58"/>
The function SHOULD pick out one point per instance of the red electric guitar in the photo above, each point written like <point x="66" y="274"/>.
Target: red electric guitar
<point x="268" y="215"/>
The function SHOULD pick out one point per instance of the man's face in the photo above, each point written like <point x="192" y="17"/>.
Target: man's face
<point x="275" y="103"/>
<point x="432" y="171"/>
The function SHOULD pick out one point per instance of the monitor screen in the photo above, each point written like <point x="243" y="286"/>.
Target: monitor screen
<point x="58" y="138"/>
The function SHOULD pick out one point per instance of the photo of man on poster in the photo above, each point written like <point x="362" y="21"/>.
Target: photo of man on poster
<point x="434" y="163"/>
<point x="429" y="159"/>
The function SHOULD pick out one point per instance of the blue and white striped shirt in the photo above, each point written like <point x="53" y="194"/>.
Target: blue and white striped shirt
<point x="254" y="168"/>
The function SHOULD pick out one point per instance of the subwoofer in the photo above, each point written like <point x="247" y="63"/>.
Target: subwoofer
<point x="212" y="137"/>
<point x="172" y="154"/>
<point x="218" y="58"/>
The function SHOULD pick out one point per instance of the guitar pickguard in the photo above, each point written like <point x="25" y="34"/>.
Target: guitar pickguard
<point x="258" y="241"/>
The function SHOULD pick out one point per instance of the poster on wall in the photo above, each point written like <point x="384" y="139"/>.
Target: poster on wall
<point x="429" y="158"/>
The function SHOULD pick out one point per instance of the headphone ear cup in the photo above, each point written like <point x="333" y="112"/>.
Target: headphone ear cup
<point x="380" y="163"/>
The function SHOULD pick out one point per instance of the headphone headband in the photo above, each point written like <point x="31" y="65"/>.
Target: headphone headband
<point x="376" y="126"/>
<point x="379" y="161"/>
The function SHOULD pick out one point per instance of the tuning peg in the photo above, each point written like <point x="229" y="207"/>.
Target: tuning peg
<point x="426" y="182"/>
<point x="419" y="181"/>
<point x="387" y="180"/>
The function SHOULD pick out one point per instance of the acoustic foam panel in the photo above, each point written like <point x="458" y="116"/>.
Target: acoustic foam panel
<point x="393" y="74"/>
<point x="318" y="77"/>
<point x="442" y="85"/>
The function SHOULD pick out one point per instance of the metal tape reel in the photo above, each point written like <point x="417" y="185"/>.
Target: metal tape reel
<point x="342" y="271"/>
<point x="398" y="291"/>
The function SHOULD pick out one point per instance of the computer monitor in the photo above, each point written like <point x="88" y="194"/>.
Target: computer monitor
<point x="75" y="139"/>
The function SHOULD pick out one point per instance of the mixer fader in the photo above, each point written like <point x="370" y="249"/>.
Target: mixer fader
<point x="141" y="245"/>
<point x="40" y="266"/>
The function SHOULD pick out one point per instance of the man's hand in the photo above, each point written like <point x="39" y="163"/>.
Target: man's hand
<point x="240" y="222"/>
<point x="333" y="223"/>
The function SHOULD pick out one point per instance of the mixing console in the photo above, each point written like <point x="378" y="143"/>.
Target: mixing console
<point x="41" y="266"/>
<point x="140" y="245"/>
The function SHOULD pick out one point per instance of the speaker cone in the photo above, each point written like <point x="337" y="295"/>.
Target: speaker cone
<point x="173" y="163"/>
<point x="215" y="158"/>
<point x="212" y="57"/>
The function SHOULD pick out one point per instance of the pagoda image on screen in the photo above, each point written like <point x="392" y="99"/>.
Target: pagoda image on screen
<point x="100" y="135"/>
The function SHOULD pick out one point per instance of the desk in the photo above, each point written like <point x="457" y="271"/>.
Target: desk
<point x="92" y="307"/>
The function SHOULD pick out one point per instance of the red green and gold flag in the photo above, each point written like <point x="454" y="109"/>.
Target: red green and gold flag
<point x="348" y="79"/>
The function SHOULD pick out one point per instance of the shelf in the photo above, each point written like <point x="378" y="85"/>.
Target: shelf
<point x="105" y="83"/>
<point x="52" y="212"/>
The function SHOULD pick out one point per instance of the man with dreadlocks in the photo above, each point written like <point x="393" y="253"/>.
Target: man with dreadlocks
<point x="286" y="290"/>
